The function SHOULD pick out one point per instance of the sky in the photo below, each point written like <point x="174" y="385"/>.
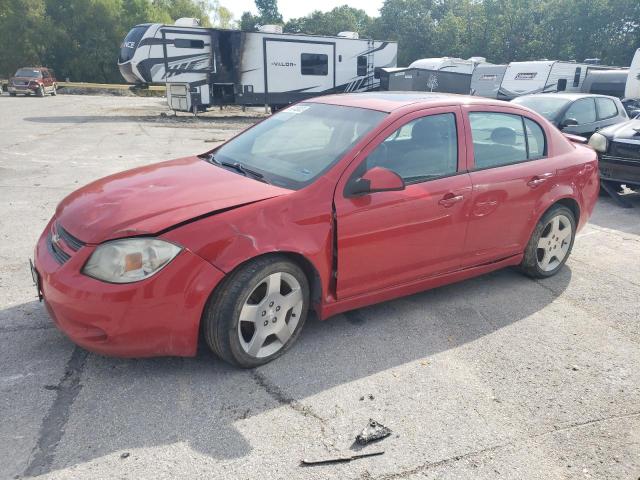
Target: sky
<point x="300" y="8"/>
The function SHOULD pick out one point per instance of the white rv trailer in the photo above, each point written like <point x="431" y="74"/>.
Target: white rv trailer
<point x="449" y="64"/>
<point x="542" y="76"/>
<point x="486" y="80"/>
<point x="203" y="67"/>
<point x="632" y="89"/>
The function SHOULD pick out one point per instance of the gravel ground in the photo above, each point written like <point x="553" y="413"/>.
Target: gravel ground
<point x="496" y="377"/>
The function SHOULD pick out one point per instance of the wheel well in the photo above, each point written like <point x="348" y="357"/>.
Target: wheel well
<point x="571" y="204"/>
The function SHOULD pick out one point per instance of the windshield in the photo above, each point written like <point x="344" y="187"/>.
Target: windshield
<point x="28" y="72"/>
<point x="295" y="146"/>
<point x="128" y="47"/>
<point x="548" y="107"/>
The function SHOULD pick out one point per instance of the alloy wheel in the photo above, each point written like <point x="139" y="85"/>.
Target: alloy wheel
<point x="270" y="315"/>
<point x="554" y="243"/>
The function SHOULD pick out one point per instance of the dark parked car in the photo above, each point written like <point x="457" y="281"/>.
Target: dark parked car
<point x="576" y="113"/>
<point x="37" y="80"/>
<point x="618" y="150"/>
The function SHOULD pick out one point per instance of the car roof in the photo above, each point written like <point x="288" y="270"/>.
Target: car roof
<point x="566" y="96"/>
<point x="390" y="101"/>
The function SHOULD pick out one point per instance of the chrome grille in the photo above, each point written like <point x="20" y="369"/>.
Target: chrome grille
<point x="72" y="242"/>
<point x="56" y="252"/>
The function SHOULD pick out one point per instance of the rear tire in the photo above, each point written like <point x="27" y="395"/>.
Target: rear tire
<point x="258" y="312"/>
<point x="54" y="91"/>
<point x="40" y="91"/>
<point x="550" y="244"/>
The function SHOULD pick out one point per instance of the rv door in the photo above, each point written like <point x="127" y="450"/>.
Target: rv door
<point x="297" y="69"/>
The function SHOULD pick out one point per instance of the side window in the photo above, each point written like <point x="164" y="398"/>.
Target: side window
<point x="562" y="84"/>
<point x="420" y="150"/>
<point x="45" y="74"/>
<point x="314" y="64"/>
<point x="606" y="108"/>
<point x="188" y="43"/>
<point x="576" y="77"/>
<point x="583" y="111"/>
<point x="536" y="141"/>
<point x="362" y="66"/>
<point x="498" y="139"/>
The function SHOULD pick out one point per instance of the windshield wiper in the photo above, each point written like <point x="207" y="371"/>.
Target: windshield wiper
<point x="238" y="167"/>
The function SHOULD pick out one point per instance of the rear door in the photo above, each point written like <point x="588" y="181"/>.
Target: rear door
<point x="608" y="112"/>
<point x="297" y="68"/>
<point x="510" y="172"/>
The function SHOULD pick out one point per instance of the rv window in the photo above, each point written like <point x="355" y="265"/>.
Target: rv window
<point x="187" y="43"/>
<point x="576" y="77"/>
<point x="498" y="139"/>
<point x="362" y="66"/>
<point x="606" y="108"/>
<point x="583" y="111"/>
<point x="314" y="64"/>
<point x="562" y="84"/>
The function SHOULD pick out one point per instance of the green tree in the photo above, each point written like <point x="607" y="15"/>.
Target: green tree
<point x="268" y="14"/>
<point x="339" y="19"/>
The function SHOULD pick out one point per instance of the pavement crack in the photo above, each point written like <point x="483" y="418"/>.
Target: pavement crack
<point x="55" y="421"/>
<point x="23" y="328"/>
<point x="282" y="398"/>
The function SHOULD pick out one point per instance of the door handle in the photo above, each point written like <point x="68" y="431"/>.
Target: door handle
<point x="539" y="180"/>
<point x="450" y="199"/>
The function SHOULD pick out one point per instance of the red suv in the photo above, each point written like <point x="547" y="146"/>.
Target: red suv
<point x="36" y="80"/>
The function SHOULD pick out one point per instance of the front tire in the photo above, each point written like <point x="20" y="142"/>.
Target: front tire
<point x="258" y="312"/>
<point x="550" y="244"/>
<point x="40" y="91"/>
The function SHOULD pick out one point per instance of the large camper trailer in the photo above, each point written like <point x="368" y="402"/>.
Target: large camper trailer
<point x="423" y="80"/>
<point x="632" y="89"/>
<point x="448" y="64"/>
<point x="543" y="76"/>
<point x="606" y="82"/>
<point x="203" y="67"/>
<point x="486" y="80"/>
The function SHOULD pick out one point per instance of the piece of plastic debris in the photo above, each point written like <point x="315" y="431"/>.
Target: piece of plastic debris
<point x="340" y="457"/>
<point x="125" y="455"/>
<point x="373" y="431"/>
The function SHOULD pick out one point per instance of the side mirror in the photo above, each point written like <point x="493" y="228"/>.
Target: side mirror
<point x="378" y="179"/>
<point x="569" y="122"/>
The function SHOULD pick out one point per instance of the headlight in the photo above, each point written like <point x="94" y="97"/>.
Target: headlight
<point x="599" y="142"/>
<point x="130" y="259"/>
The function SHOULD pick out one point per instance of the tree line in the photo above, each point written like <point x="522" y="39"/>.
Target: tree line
<point x="80" y="39"/>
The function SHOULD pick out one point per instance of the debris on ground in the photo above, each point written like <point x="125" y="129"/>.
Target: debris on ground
<point x="341" y="457"/>
<point x="373" y="431"/>
<point x="125" y="455"/>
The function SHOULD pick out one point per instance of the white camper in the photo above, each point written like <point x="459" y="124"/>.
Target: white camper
<point x="632" y="89"/>
<point x="486" y="80"/>
<point x="449" y="64"/>
<point x="203" y="67"/>
<point x="522" y="78"/>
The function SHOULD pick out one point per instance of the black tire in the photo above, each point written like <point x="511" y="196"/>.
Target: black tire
<point x="54" y="92"/>
<point x="530" y="263"/>
<point x="222" y="312"/>
<point x="40" y="91"/>
<point x="11" y="94"/>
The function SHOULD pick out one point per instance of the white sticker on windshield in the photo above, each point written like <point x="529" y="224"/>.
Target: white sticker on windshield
<point x="297" y="108"/>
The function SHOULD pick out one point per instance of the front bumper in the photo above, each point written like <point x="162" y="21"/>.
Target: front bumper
<point x="154" y="317"/>
<point x="619" y="169"/>
<point x="21" y="89"/>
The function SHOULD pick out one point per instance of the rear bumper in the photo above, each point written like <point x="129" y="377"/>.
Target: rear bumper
<point x="155" y="317"/>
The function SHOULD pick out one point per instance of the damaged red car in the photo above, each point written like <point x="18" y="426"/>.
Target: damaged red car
<point x="329" y="205"/>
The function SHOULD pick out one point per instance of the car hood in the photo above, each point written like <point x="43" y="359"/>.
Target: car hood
<point x="150" y="199"/>
<point x="625" y="130"/>
<point x="25" y="79"/>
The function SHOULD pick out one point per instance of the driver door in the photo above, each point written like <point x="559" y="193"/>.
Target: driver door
<point x="388" y="238"/>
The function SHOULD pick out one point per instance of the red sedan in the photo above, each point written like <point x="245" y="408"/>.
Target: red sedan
<point x="331" y="204"/>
